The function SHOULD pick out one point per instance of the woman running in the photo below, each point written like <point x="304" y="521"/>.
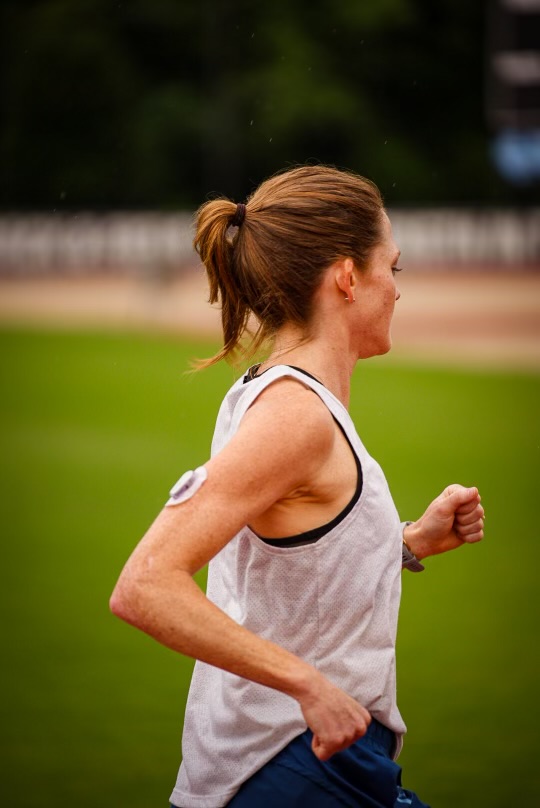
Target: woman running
<point x="293" y="696"/>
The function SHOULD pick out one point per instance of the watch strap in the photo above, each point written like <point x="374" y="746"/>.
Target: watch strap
<point x="408" y="559"/>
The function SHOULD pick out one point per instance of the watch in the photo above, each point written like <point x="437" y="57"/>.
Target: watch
<point x="408" y="559"/>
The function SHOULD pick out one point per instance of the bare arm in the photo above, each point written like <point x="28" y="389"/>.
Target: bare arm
<point x="286" y="435"/>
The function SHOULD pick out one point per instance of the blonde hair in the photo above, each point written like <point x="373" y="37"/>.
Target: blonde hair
<point x="295" y="225"/>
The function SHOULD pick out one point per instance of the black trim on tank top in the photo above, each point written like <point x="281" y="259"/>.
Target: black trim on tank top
<point x="311" y="536"/>
<point x="252" y="372"/>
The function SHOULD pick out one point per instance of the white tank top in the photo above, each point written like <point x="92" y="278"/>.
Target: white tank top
<point x="334" y="603"/>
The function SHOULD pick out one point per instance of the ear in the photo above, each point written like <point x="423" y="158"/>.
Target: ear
<point x="346" y="280"/>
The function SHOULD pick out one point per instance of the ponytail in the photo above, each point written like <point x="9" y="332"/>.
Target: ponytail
<point x="214" y="246"/>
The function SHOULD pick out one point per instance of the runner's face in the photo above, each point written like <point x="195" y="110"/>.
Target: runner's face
<point x="376" y="295"/>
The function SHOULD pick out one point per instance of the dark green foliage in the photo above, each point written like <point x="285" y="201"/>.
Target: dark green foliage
<point x="157" y="104"/>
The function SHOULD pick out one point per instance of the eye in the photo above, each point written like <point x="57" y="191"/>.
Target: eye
<point x="396" y="269"/>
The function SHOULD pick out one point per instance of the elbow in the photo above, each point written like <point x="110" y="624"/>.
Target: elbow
<point x="125" y="603"/>
<point x="118" y="602"/>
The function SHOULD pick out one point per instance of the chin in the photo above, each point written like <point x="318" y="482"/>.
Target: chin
<point x="376" y="350"/>
<point x="387" y="346"/>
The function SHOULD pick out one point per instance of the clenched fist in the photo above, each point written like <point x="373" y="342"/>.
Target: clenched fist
<point x="455" y="517"/>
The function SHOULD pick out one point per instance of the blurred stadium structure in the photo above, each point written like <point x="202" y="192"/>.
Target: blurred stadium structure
<point x="513" y="88"/>
<point x="160" y="245"/>
<point x="513" y="70"/>
<point x="473" y="295"/>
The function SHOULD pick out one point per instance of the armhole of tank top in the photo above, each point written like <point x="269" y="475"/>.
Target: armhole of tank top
<point x="316" y="533"/>
<point x="313" y="535"/>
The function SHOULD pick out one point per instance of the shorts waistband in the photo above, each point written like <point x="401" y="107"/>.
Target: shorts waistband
<point x="378" y="734"/>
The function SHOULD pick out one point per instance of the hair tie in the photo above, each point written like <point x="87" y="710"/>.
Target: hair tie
<point x="239" y="215"/>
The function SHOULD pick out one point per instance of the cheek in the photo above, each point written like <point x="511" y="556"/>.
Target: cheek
<point x="390" y="295"/>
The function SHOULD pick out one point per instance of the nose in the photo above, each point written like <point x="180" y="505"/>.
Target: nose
<point x="398" y="294"/>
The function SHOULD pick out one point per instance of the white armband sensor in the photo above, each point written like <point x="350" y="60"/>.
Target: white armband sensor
<point x="188" y="484"/>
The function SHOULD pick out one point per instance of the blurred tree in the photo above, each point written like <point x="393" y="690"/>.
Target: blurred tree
<point x="157" y="103"/>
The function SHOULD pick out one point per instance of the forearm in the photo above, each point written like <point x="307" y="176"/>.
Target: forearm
<point x="177" y="614"/>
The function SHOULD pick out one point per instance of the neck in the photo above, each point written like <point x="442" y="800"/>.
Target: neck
<point x="323" y="357"/>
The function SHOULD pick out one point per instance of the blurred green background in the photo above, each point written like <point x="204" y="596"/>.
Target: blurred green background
<point x="97" y="427"/>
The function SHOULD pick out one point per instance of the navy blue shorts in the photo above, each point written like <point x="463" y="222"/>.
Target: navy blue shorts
<point x="362" y="776"/>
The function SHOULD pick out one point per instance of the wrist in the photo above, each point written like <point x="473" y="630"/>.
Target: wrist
<point x="412" y="536"/>
<point x="409" y="560"/>
<point x="305" y="684"/>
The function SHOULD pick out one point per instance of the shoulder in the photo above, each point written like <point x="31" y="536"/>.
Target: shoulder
<point x="281" y="442"/>
<point x="293" y="413"/>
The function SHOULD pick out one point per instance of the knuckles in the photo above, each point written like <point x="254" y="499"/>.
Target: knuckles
<point x="340" y="741"/>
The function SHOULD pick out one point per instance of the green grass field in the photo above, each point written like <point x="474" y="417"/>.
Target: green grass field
<point x="96" y="428"/>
